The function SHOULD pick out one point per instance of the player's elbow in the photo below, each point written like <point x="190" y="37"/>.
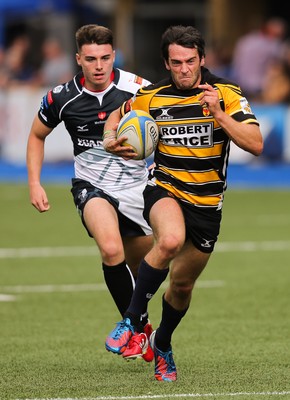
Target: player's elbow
<point x="258" y="148"/>
<point x="254" y="141"/>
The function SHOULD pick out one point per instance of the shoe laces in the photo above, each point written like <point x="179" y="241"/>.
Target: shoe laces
<point x="168" y="357"/>
<point x="125" y="324"/>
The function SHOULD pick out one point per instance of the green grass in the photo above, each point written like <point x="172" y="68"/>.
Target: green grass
<point x="233" y="342"/>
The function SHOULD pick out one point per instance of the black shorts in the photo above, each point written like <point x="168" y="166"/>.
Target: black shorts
<point x="83" y="191"/>
<point x="202" y="223"/>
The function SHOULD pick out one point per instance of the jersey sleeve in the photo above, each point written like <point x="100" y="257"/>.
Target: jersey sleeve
<point x="236" y="105"/>
<point x="140" y="101"/>
<point x="50" y="108"/>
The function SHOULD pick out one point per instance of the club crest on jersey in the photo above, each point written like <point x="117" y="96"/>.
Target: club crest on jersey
<point x="102" y="115"/>
<point x="205" y="111"/>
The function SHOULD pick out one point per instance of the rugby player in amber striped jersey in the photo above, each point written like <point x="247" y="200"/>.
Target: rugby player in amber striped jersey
<point x="198" y="115"/>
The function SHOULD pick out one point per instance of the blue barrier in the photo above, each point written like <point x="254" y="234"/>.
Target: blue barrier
<point x="267" y="176"/>
<point x="275" y="126"/>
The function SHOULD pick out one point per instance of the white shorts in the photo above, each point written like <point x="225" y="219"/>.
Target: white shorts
<point x="129" y="204"/>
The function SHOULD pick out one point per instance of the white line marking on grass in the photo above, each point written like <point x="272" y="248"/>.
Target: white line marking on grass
<point x="85" y="287"/>
<point x="171" y="396"/>
<point x="221" y="247"/>
<point x="7" y="297"/>
<point x="253" y="246"/>
<point x="44" y="252"/>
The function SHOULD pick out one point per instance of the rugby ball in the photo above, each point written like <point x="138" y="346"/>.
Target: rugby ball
<point x="141" y="131"/>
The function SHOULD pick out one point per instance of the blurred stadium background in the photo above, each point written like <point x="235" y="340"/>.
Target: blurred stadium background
<point x="54" y="314"/>
<point x="138" y="25"/>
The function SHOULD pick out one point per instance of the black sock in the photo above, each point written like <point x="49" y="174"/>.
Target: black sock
<point x="144" y="316"/>
<point x="120" y="283"/>
<point x="169" y="321"/>
<point x="147" y="284"/>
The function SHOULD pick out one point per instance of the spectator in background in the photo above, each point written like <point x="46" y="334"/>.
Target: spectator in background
<point x="56" y="67"/>
<point x="218" y="60"/>
<point x="276" y="87"/>
<point x="15" y="62"/>
<point x="4" y="73"/>
<point x="254" y="52"/>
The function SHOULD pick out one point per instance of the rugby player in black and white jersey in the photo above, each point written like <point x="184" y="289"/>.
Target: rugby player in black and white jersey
<point x="107" y="190"/>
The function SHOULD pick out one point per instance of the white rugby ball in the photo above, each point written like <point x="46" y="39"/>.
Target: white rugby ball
<point x="141" y="131"/>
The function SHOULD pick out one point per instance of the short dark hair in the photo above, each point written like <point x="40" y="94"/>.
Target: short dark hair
<point x="97" y="34"/>
<point x="185" y="36"/>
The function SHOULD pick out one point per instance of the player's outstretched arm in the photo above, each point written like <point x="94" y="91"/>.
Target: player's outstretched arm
<point x="34" y="161"/>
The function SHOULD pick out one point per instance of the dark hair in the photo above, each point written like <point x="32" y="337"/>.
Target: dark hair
<point x="89" y="34"/>
<point x="185" y="36"/>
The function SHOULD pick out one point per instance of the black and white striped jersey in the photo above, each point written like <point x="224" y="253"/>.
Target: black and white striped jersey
<point x="84" y="114"/>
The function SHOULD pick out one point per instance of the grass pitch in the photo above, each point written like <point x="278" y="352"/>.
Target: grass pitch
<point x="55" y="312"/>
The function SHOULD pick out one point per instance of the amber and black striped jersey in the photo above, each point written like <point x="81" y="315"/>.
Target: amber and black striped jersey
<point x="193" y="150"/>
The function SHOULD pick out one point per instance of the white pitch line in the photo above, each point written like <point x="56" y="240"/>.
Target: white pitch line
<point x="83" y="251"/>
<point x="85" y="287"/>
<point x="7" y="297"/>
<point x="171" y="396"/>
<point x="253" y="246"/>
<point x="44" y="252"/>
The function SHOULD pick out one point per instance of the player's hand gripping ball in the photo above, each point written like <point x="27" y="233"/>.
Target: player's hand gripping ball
<point x="142" y="133"/>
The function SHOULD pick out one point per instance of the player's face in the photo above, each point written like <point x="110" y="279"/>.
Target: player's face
<point x="97" y="62"/>
<point x="185" y="66"/>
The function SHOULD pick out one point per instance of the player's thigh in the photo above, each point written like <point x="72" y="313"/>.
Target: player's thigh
<point x="102" y="222"/>
<point x="167" y="220"/>
<point x="136" y="248"/>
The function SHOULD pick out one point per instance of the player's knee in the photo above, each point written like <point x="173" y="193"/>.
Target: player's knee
<point x="181" y="290"/>
<point x="111" y="252"/>
<point x="170" y="245"/>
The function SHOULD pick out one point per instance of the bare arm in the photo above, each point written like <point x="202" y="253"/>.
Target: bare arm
<point x="34" y="161"/>
<point x="246" y="136"/>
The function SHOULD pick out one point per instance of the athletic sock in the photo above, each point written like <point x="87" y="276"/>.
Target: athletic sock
<point x="147" y="284"/>
<point x="120" y="283"/>
<point x="144" y="316"/>
<point x="169" y="321"/>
